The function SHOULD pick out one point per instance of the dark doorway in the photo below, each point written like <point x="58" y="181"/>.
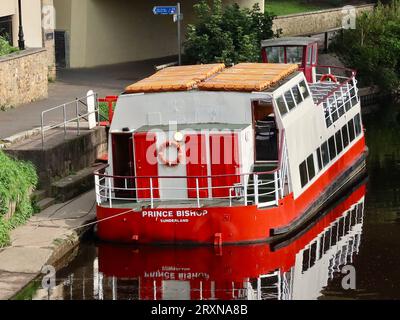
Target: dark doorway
<point x="123" y="164"/>
<point x="61" y="48"/>
<point x="266" y="132"/>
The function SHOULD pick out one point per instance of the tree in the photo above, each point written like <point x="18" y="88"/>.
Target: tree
<point x="227" y="34"/>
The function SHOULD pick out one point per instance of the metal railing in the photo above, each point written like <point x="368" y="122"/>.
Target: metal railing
<point x="251" y="188"/>
<point x="71" y="112"/>
<point x="337" y="97"/>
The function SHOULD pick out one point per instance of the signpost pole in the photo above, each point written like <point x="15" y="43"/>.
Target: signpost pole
<point x="178" y="6"/>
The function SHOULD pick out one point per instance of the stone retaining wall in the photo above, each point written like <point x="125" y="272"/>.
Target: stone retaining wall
<point x="23" y="77"/>
<point x="314" y="22"/>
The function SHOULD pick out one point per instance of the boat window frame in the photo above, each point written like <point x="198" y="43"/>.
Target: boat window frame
<point x="303" y="178"/>
<point x="299" y="92"/>
<point x="319" y="159"/>
<point x="357" y="124"/>
<point x="339" y="132"/>
<point x="331" y="156"/>
<point x="312" y="165"/>
<point x="345" y="145"/>
<point x="294" y="101"/>
<point x="350" y="132"/>
<point x="282" y="96"/>
<point x="325" y="163"/>
<point x="306" y="87"/>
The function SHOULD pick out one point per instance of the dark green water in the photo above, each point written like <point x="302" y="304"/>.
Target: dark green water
<point x="356" y="231"/>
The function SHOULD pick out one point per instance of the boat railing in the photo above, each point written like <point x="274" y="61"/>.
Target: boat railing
<point x="335" y="90"/>
<point x="153" y="191"/>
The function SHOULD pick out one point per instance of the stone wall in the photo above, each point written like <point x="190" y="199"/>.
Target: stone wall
<point x="23" y="77"/>
<point x="314" y="22"/>
<point x="48" y="25"/>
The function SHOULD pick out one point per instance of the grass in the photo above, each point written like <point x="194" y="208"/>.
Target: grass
<point x="5" y="47"/>
<point x="281" y="8"/>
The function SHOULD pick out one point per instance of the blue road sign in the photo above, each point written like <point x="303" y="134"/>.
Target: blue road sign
<point x="165" y="10"/>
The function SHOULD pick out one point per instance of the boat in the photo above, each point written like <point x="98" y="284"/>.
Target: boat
<point x="216" y="155"/>
<point x="306" y="266"/>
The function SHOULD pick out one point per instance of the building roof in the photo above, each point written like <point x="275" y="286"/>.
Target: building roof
<point x="288" y="41"/>
<point x="244" y="77"/>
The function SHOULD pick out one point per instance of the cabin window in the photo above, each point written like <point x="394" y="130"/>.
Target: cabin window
<point x="325" y="153"/>
<point x="297" y="95"/>
<point x="304" y="89"/>
<point x="303" y="173"/>
<point x="357" y="122"/>
<point x="315" y="51"/>
<point x="281" y="105"/>
<point x="289" y="100"/>
<point x="320" y="166"/>
<point x="332" y="148"/>
<point x="275" y="54"/>
<point x="339" y="143"/>
<point x="310" y="167"/>
<point x="345" y="135"/>
<point x="352" y="133"/>
<point x="309" y="55"/>
<point x="294" y="55"/>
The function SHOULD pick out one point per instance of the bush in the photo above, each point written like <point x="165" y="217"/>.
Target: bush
<point x="227" y="34"/>
<point x="373" y="48"/>
<point x="17" y="178"/>
<point x="5" y="47"/>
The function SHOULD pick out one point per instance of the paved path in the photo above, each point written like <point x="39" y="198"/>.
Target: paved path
<point x="71" y="84"/>
<point x="43" y="240"/>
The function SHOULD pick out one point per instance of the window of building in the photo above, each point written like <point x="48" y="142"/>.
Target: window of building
<point x="339" y="143"/>
<point x="303" y="173"/>
<point x="332" y="148"/>
<point x="345" y="135"/>
<point x="325" y="153"/>
<point x="304" y="89"/>
<point x="310" y="167"/>
<point x="289" y="100"/>
<point x="6" y="28"/>
<point x="281" y="105"/>
<point x="352" y="133"/>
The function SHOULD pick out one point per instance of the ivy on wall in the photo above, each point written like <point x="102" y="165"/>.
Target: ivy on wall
<point x="17" y="180"/>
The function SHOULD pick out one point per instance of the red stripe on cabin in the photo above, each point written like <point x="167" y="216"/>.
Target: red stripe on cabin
<point x="224" y="150"/>
<point x="146" y="164"/>
<point x="196" y="158"/>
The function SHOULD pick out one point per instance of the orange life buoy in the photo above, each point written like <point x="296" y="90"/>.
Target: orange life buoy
<point x="163" y="158"/>
<point x="328" y="76"/>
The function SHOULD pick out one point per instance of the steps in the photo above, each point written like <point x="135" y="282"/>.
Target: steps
<point x="74" y="184"/>
<point x="265" y="181"/>
<point x="42" y="201"/>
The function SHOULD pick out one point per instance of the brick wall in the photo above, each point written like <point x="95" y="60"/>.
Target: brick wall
<point x="314" y="22"/>
<point x="23" y="77"/>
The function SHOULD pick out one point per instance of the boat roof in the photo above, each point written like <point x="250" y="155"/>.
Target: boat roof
<point x="288" y="41"/>
<point x="195" y="127"/>
<point x="243" y="77"/>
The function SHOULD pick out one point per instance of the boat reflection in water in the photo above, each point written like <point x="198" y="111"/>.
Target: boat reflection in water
<point x="299" y="268"/>
<point x="296" y="269"/>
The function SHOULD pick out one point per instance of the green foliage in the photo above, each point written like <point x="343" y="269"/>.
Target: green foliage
<point x="17" y="178"/>
<point x="373" y="48"/>
<point x="103" y="110"/>
<point x="228" y="34"/>
<point x="5" y="47"/>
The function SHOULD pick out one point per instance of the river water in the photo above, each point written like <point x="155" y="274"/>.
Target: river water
<point x="350" y="252"/>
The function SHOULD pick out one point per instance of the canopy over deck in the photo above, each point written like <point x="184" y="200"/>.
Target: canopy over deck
<point x="288" y="41"/>
<point x="245" y="77"/>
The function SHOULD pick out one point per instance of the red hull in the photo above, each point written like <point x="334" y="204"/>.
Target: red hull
<point x="223" y="225"/>
<point x="202" y="265"/>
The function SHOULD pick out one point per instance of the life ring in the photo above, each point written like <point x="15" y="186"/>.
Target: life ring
<point x="163" y="158"/>
<point x="328" y="76"/>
